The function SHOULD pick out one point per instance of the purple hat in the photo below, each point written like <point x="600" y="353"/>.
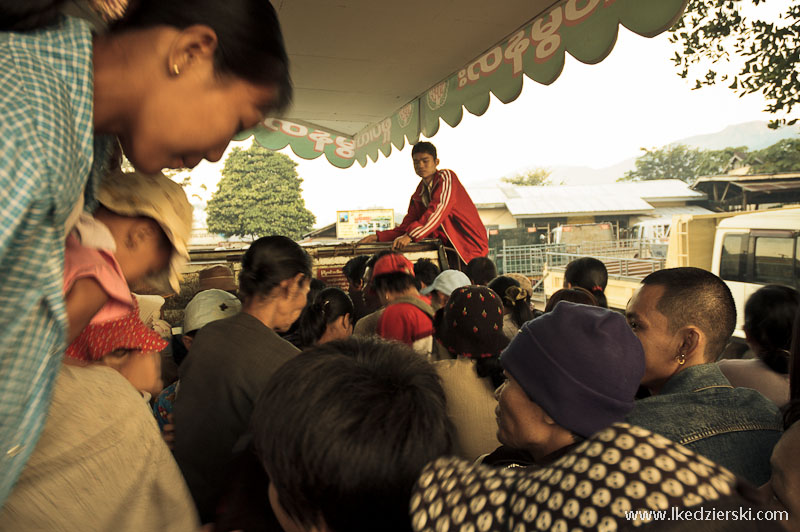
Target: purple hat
<point x="581" y="364"/>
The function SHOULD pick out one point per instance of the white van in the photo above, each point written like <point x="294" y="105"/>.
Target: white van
<point x="753" y="250"/>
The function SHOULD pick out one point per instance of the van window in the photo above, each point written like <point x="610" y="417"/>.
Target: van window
<point x="774" y="260"/>
<point x="732" y="262"/>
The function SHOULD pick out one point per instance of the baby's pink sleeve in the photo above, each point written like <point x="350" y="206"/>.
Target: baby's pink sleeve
<point x="83" y="262"/>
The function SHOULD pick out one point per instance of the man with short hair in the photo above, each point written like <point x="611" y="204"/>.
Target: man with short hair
<point x="684" y="318"/>
<point x="406" y="317"/>
<point x="439" y="208"/>
<point x="343" y="431"/>
<point x="481" y="271"/>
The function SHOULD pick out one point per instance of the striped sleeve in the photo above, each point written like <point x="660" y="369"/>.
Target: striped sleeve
<point x="437" y="210"/>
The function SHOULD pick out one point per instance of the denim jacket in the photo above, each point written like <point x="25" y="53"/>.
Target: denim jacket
<point x="698" y="408"/>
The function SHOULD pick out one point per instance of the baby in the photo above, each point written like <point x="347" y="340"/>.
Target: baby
<point x="136" y="236"/>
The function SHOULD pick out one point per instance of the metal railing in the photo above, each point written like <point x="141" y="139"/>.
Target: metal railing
<point x="530" y="260"/>
<point x="616" y="266"/>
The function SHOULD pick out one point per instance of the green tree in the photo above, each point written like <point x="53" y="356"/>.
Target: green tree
<point x="259" y="194"/>
<point x="675" y="161"/>
<point x="783" y="156"/>
<point x="768" y="52"/>
<point x="530" y="178"/>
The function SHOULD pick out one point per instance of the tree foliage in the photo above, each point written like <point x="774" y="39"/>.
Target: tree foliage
<point x="530" y="178"/>
<point x="259" y="195"/>
<point x="677" y="161"/>
<point x="718" y="30"/>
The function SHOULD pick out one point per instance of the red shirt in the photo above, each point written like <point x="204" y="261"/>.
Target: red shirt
<point x="450" y="216"/>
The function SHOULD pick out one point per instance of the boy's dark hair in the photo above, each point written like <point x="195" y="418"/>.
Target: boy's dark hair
<point x="590" y="274"/>
<point x="394" y="282"/>
<point x="355" y="268"/>
<point x="426" y="271"/>
<point x="481" y="270"/>
<point x="696" y="297"/>
<point x="344" y="429"/>
<point x="424" y="147"/>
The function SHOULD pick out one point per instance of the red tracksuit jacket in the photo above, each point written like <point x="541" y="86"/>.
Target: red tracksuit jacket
<point x="450" y="216"/>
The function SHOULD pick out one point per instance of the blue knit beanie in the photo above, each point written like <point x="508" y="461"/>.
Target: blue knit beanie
<point x="581" y="364"/>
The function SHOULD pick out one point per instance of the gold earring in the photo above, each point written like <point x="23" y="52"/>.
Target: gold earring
<point x="681" y="359"/>
<point x="176" y="70"/>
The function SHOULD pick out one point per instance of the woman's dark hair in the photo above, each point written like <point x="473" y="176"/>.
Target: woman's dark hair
<point x="590" y="274"/>
<point x="269" y="261"/>
<point x="329" y="305"/>
<point x="27" y="15"/>
<point x="249" y="39"/>
<point x="573" y="295"/>
<point x="513" y="297"/>
<point x="768" y="318"/>
<point x="791" y="412"/>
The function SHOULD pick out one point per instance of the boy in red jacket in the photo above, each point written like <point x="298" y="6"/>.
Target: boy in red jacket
<point x="439" y="208"/>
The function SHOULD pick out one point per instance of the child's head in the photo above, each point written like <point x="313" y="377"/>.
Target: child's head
<point x="151" y="221"/>
<point x="141" y="368"/>
<point x="393" y="276"/>
<point x="344" y="429"/>
<point x="328" y="317"/>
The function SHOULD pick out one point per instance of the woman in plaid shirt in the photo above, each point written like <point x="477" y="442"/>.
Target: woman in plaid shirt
<point x="172" y="82"/>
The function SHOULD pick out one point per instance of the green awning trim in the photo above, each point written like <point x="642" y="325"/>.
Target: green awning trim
<point x="586" y="29"/>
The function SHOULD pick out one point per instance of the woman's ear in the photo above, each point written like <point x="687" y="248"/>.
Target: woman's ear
<point x="194" y="45"/>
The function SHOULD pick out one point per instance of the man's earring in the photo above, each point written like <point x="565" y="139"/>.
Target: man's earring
<point x="176" y="70"/>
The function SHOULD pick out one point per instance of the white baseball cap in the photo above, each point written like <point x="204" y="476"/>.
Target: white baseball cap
<point x="207" y="306"/>
<point x="446" y="282"/>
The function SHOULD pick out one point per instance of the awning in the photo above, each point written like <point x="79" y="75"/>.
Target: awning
<point x="371" y="75"/>
<point x="769" y="186"/>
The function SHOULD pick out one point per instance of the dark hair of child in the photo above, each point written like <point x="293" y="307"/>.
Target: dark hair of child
<point x="573" y="295"/>
<point x="590" y="274"/>
<point x="425" y="271"/>
<point x="344" y="429"/>
<point x="329" y="305"/>
<point x="768" y="318"/>
<point x="481" y="270"/>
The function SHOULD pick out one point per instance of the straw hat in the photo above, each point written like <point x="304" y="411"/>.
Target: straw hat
<point x="160" y="198"/>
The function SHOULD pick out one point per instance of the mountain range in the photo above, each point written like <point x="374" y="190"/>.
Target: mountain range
<point x="754" y="135"/>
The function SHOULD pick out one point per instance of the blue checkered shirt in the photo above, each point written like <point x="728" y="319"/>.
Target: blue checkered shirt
<point x="47" y="155"/>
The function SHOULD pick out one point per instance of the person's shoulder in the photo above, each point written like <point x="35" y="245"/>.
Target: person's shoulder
<point x="446" y="173"/>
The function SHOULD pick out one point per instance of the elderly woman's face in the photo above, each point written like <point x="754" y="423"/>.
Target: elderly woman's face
<point x="520" y="422"/>
<point x="292" y="302"/>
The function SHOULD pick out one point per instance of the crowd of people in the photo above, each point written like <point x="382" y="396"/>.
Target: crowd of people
<point x="417" y="399"/>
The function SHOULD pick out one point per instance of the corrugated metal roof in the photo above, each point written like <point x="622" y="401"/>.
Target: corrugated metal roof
<point x="618" y="198"/>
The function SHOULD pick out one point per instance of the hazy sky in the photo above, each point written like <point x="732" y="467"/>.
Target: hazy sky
<point x="593" y="115"/>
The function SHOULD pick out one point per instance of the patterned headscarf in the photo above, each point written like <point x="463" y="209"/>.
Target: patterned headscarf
<point x="472" y="324"/>
<point x="621" y="469"/>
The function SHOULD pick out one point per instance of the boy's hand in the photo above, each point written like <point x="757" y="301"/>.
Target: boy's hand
<point x="401" y="241"/>
<point x="369" y="239"/>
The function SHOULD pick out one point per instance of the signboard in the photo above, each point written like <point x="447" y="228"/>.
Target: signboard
<point x="360" y="223"/>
